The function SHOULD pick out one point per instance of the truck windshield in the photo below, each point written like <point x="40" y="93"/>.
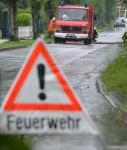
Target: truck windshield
<point x="72" y="14"/>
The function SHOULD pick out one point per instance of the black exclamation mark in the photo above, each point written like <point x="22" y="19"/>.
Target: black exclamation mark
<point x="41" y="74"/>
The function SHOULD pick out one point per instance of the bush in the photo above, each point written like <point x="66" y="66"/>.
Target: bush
<point x="23" y="11"/>
<point x="24" y="19"/>
<point x="125" y="37"/>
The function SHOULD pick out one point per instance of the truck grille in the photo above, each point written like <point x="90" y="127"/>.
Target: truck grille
<point x="71" y="28"/>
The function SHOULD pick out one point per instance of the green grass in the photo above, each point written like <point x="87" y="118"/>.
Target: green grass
<point x="115" y="76"/>
<point x="124" y="106"/>
<point x="17" y="43"/>
<point x="13" y="142"/>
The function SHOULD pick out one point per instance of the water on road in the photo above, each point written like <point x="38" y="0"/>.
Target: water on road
<point x="82" y="66"/>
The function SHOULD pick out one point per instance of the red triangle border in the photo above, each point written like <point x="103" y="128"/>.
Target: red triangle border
<point x="11" y="105"/>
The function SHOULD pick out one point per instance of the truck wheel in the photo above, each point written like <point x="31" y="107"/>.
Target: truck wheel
<point x="64" y="41"/>
<point x="87" y="41"/>
<point x="56" y="40"/>
<point x="90" y="41"/>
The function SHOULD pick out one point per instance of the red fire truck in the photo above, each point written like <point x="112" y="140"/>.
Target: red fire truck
<point x="74" y="23"/>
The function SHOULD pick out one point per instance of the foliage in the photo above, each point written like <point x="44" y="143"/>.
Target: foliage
<point x="74" y="2"/>
<point x="24" y="19"/>
<point x="125" y="38"/>
<point x="100" y="11"/>
<point x="10" y="142"/>
<point x="17" y="43"/>
<point x="114" y="76"/>
<point x="23" y="11"/>
<point x="23" y="4"/>
<point x="35" y="5"/>
<point x="2" y="7"/>
<point x="12" y="9"/>
<point x="110" y="11"/>
<point x="105" y="10"/>
<point x="35" y="9"/>
<point x="125" y="2"/>
<point x="4" y="1"/>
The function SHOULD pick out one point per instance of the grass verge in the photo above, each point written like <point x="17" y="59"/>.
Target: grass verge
<point x="115" y="76"/>
<point x="13" y="142"/>
<point x="17" y="43"/>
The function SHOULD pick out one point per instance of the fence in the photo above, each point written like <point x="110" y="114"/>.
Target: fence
<point x="122" y="13"/>
<point x="25" y="32"/>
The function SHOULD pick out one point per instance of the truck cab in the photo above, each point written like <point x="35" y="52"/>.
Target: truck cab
<point x="74" y="23"/>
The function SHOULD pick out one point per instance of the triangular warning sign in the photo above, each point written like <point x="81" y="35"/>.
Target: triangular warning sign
<point x="38" y="70"/>
<point x="41" y="100"/>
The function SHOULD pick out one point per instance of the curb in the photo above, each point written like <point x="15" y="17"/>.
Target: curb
<point x="102" y="90"/>
<point x="13" y="47"/>
<point x="107" y="42"/>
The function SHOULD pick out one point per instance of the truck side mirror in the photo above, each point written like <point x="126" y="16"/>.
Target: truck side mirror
<point x="95" y="17"/>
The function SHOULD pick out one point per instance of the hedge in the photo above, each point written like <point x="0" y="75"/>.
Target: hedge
<point x="24" y="19"/>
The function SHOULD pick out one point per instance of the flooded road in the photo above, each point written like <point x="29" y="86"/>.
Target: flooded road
<point x="81" y="65"/>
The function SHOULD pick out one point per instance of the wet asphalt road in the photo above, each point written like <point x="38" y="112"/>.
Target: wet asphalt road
<point x="82" y="66"/>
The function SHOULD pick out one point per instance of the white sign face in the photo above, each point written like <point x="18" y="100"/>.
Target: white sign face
<point x="41" y="101"/>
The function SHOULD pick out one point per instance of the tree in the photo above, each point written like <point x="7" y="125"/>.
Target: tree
<point x="12" y="9"/>
<point x="100" y="6"/>
<point x="68" y="1"/>
<point x="49" y="9"/>
<point x="36" y="6"/>
<point x="99" y="11"/>
<point x="74" y="2"/>
<point x="2" y="8"/>
<point x="125" y="2"/>
<point x="23" y="4"/>
<point x="110" y="10"/>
